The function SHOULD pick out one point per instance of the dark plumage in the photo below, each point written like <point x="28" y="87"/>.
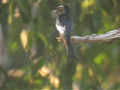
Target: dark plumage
<point x="64" y="26"/>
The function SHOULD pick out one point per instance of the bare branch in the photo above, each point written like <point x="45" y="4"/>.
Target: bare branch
<point x="106" y="37"/>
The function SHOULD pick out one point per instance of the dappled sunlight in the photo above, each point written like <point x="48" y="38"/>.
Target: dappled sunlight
<point x="87" y="3"/>
<point x="54" y="81"/>
<point x="46" y="88"/>
<point x="90" y="72"/>
<point x="16" y="73"/>
<point x="79" y="71"/>
<point x="4" y="1"/>
<point x="75" y="86"/>
<point x="17" y="13"/>
<point x="24" y="39"/>
<point x="44" y="71"/>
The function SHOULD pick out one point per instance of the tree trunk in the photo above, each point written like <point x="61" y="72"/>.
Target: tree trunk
<point x="67" y="73"/>
<point x="4" y="62"/>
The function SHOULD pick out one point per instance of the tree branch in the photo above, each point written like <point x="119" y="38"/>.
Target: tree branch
<point x="106" y="37"/>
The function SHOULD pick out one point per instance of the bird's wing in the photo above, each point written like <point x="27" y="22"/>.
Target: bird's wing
<point x="68" y="27"/>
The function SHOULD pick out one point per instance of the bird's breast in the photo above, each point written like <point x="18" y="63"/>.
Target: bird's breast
<point x="60" y="29"/>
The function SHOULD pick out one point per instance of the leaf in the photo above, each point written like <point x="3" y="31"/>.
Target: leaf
<point x="44" y="39"/>
<point x="100" y="58"/>
<point x="24" y="39"/>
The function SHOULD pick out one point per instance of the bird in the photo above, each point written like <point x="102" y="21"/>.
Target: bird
<point x="64" y="26"/>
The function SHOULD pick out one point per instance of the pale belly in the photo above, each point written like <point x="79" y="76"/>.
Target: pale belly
<point x="60" y="29"/>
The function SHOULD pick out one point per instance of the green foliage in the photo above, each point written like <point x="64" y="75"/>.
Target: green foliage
<point x="100" y="58"/>
<point x="34" y="16"/>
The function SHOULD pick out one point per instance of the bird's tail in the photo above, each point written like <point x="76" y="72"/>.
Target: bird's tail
<point x="69" y="48"/>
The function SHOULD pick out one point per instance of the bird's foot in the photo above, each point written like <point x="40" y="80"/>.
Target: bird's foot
<point x="59" y="39"/>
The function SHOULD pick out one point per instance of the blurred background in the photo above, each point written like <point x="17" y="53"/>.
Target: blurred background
<point x="33" y="59"/>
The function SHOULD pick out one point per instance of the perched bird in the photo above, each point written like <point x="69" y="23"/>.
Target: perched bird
<point x="64" y="26"/>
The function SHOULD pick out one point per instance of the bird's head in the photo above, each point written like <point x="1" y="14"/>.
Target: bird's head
<point x="61" y="10"/>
